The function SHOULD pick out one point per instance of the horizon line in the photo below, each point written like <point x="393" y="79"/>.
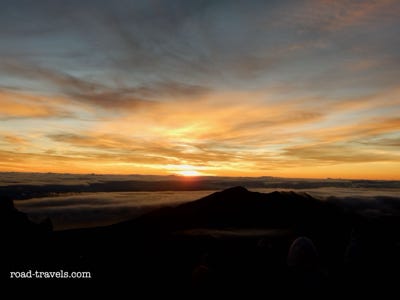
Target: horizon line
<point x="197" y="176"/>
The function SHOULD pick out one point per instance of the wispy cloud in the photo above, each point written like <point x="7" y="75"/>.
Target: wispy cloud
<point x="339" y="15"/>
<point x="22" y="105"/>
<point x="225" y="87"/>
<point x="98" y="94"/>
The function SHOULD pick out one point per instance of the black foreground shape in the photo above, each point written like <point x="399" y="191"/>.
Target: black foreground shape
<point x="234" y="240"/>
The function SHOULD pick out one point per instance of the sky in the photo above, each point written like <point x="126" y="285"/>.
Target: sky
<point x="227" y="88"/>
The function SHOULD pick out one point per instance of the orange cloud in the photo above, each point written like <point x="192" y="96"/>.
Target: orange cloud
<point x="221" y="133"/>
<point x="22" y="105"/>
<point x="358" y="130"/>
<point x="337" y="15"/>
<point x="15" y="140"/>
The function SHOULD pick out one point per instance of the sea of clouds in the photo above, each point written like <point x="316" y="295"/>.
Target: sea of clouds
<point x="97" y="209"/>
<point x="76" y="210"/>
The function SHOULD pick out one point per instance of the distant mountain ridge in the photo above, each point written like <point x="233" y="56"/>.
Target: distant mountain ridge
<point x="239" y="208"/>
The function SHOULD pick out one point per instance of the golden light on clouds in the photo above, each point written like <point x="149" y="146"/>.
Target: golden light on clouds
<point x="310" y="91"/>
<point x="217" y="134"/>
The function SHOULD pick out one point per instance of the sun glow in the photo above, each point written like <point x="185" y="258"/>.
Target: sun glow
<point x="187" y="170"/>
<point x="189" y="173"/>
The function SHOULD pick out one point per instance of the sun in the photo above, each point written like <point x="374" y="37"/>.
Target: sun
<point x="189" y="173"/>
<point x="186" y="170"/>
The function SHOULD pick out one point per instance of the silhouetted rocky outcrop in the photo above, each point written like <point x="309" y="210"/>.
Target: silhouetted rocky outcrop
<point x="14" y="222"/>
<point x="23" y="242"/>
<point x="239" y="208"/>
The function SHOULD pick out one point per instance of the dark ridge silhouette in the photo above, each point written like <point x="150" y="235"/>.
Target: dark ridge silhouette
<point x="230" y="241"/>
<point x="23" y="241"/>
<point x="240" y="208"/>
<point x="14" y="223"/>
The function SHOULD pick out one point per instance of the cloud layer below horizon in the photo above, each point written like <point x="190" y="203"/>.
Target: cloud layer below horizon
<point x="281" y="88"/>
<point x="99" y="209"/>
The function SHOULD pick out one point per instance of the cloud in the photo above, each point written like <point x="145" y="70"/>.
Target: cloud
<point x="204" y="42"/>
<point x="369" y="205"/>
<point x="99" y="141"/>
<point x="22" y="105"/>
<point x="330" y="17"/>
<point x="339" y="153"/>
<point x="219" y="132"/>
<point x="12" y="139"/>
<point x="95" y="209"/>
<point x="382" y="142"/>
<point x="236" y="87"/>
<point x="91" y="92"/>
<point x="359" y="130"/>
<point x="211" y="131"/>
<point x="384" y="99"/>
<point x="346" y="13"/>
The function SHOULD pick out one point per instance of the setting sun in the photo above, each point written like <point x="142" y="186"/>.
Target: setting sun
<point x="187" y="170"/>
<point x="189" y="173"/>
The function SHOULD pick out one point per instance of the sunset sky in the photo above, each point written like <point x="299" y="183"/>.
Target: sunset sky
<point x="235" y="88"/>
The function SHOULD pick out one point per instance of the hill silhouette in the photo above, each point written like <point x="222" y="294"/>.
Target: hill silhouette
<point x="239" y="208"/>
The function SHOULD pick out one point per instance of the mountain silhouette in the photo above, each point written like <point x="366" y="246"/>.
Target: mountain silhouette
<point x="14" y="223"/>
<point x="21" y="238"/>
<point x="239" y="208"/>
